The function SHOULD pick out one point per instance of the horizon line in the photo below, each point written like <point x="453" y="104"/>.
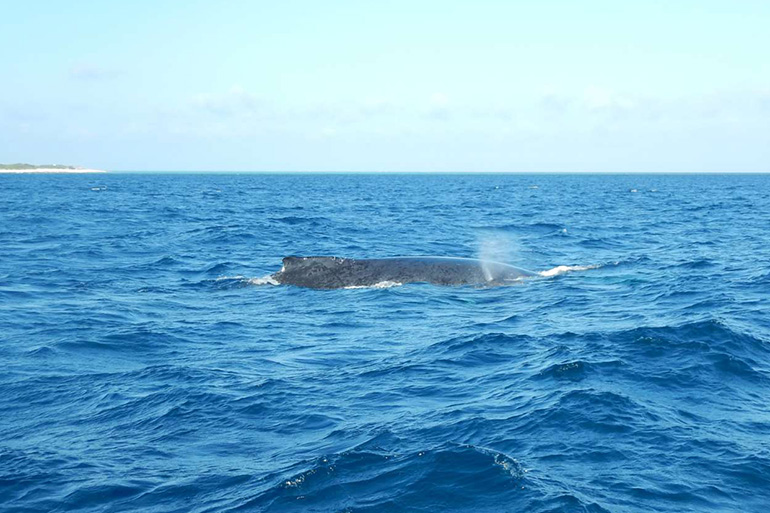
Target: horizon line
<point x="251" y="171"/>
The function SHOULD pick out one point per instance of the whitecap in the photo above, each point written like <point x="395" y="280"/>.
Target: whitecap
<point x="563" y="269"/>
<point x="265" y="280"/>
<point x="227" y="278"/>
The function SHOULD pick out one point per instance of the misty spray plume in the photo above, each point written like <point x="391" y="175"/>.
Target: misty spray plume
<point x="501" y="247"/>
<point x="495" y="247"/>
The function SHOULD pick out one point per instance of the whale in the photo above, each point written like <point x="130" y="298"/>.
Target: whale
<point x="329" y="272"/>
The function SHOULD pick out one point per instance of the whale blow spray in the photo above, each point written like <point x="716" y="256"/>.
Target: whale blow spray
<point x="494" y="247"/>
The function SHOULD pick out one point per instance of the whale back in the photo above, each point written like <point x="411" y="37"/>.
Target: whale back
<point x="327" y="272"/>
<point x="314" y="272"/>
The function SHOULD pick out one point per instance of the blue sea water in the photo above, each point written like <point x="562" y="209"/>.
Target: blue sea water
<point x="148" y="367"/>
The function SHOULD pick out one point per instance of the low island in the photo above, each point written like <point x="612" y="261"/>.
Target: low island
<point x="45" y="168"/>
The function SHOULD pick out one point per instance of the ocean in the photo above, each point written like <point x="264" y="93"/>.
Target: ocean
<point x="148" y="365"/>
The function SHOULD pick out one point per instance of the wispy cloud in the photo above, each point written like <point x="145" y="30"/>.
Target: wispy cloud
<point x="235" y="102"/>
<point x="438" y="106"/>
<point x="598" y="98"/>
<point x="90" y="71"/>
<point x="548" y="115"/>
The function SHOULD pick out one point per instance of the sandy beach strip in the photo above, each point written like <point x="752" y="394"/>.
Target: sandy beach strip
<point x="50" y="171"/>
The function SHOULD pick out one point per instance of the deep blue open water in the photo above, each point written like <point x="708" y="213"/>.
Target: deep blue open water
<point x="144" y="367"/>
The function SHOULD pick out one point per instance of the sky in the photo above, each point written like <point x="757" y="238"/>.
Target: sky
<point x="483" y="85"/>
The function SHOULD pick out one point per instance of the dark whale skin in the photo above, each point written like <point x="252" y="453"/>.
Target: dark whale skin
<point x="324" y="272"/>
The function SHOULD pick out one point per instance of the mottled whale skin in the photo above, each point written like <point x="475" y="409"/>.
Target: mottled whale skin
<point x="324" y="272"/>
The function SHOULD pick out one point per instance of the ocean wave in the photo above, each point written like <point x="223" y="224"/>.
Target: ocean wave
<point x="577" y="370"/>
<point x="705" y="335"/>
<point x="488" y="344"/>
<point x="297" y="220"/>
<point x="538" y="228"/>
<point x="143" y="371"/>
<point x="125" y="340"/>
<point x="450" y="477"/>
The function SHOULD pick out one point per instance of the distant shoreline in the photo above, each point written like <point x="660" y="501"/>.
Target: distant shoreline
<point x="44" y="170"/>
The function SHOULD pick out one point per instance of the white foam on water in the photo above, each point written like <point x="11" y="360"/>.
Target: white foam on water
<point x="269" y="280"/>
<point x="265" y="280"/>
<point x="563" y="269"/>
<point x="223" y="278"/>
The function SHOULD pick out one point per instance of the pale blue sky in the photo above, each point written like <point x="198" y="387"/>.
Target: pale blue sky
<point x="388" y="85"/>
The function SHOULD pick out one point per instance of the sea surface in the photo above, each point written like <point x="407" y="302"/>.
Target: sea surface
<point x="149" y="366"/>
